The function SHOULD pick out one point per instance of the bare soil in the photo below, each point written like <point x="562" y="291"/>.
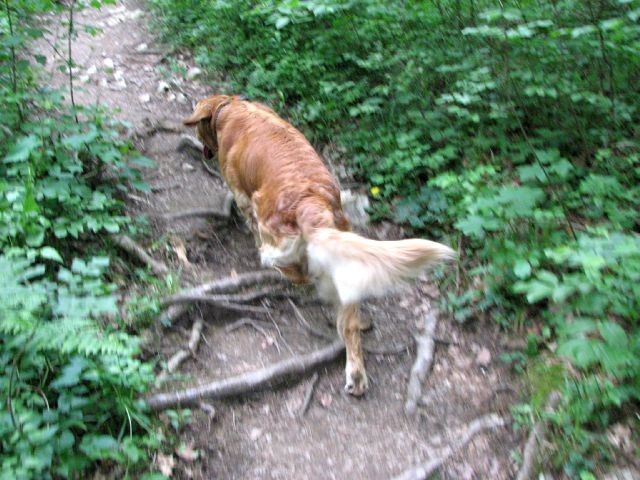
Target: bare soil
<point x="263" y="436"/>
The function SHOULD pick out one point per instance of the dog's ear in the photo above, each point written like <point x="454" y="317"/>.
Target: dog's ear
<point x="203" y="111"/>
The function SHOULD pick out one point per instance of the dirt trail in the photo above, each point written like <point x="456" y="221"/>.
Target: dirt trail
<point x="258" y="437"/>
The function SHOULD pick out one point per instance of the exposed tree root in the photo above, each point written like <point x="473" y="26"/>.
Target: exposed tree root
<point x="221" y="285"/>
<point x="248" y="382"/>
<point x="130" y="246"/>
<point x="198" y="212"/>
<point x="422" y="365"/>
<point x="536" y="439"/>
<point x="424" y="471"/>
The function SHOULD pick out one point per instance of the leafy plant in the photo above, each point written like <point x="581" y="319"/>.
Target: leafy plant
<point x="70" y="377"/>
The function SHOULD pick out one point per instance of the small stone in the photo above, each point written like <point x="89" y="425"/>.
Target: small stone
<point x="187" y="167"/>
<point x="119" y="85"/>
<point x="92" y="70"/>
<point x="104" y="83"/>
<point x="144" y="98"/>
<point x="483" y="359"/>
<point x="171" y="97"/>
<point x="325" y="399"/>
<point x="142" y="47"/>
<point x="147" y="68"/>
<point x="181" y="98"/>
<point x="163" y="87"/>
<point x="84" y="78"/>
<point x="135" y="14"/>
<point x="108" y="63"/>
<point x="118" y="75"/>
<point x="255" y="434"/>
<point x="193" y="73"/>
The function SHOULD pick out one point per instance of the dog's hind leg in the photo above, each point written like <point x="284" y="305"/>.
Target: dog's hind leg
<point x="349" y="326"/>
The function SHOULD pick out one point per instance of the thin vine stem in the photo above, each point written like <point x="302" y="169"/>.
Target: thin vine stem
<point x="70" y="59"/>
<point x="14" y="73"/>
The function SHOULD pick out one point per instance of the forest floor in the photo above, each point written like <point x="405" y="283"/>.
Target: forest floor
<point x="263" y="436"/>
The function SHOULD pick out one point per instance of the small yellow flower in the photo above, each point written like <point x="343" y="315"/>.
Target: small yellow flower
<point x="375" y="191"/>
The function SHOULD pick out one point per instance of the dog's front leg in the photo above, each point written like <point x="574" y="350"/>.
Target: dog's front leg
<point x="349" y="326"/>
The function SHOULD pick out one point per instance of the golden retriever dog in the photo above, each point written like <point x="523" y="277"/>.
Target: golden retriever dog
<point x="292" y="205"/>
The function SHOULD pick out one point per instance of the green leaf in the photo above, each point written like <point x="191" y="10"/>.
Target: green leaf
<point x="581" y="351"/>
<point x="613" y="334"/>
<point x="99" y="446"/>
<point x="143" y="162"/>
<point x="77" y="141"/>
<point x="282" y="22"/>
<point x="22" y="149"/>
<point x="522" y="269"/>
<point x="50" y="253"/>
<point x="70" y="374"/>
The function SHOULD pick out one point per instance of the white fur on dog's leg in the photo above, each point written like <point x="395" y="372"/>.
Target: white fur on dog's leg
<point x="356" y="380"/>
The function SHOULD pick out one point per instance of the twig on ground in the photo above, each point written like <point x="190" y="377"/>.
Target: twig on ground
<point x="250" y="382"/>
<point x="181" y="355"/>
<point x="310" y="328"/>
<point x="318" y="332"/>
<point x="536" y="439"/>
<point x="247" y="321"/>
<point x="275" y="324"/>
<point x="130" y="246"/>
<point x="308" y="395"/>
<point x="424" y="471"/>
<point x="424" y="359"/>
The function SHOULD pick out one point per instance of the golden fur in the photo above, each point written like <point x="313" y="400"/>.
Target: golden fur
<point x="292" y="204"/>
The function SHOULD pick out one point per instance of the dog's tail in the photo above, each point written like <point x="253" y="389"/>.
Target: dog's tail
<point x="359" y="267"/>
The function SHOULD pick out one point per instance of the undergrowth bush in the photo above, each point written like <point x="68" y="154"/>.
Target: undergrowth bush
<point x="511" y="130"/>
<point x="70" y="378"/>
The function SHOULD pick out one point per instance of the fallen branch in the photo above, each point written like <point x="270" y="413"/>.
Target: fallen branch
<point x="130" y="246"/>
<point x="536" y="439"/>
<point x="181" y="355"/>
<point x="424" y="471"/>
<point x="424" y="359"/>
<point x="308" y="395"/>
<point x="248" y="382"/>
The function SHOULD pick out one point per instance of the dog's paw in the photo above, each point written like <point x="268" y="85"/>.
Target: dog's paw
<point x="357" y="383"/>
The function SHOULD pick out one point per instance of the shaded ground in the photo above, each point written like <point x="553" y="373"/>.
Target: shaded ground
<point x="263" y="436"/>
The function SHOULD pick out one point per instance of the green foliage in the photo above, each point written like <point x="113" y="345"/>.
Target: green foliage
<point x="70" y="379"/>
<point x="512" y="130"/>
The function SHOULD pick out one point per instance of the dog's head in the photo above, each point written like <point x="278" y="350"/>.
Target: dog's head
<point x="203" y="117"/>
